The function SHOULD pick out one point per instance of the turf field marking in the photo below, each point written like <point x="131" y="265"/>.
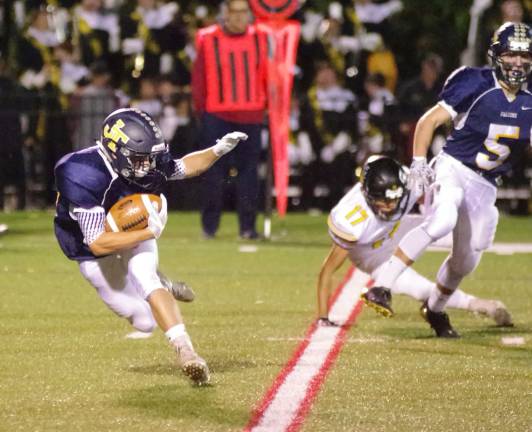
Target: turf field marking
<point x="287" y="402"/>
<point x="497" y="248"/>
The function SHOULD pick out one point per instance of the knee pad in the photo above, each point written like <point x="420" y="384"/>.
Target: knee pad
<point x="143" y="322"/>
<point x="484" y="231"/>
<point x="444" y="215"/>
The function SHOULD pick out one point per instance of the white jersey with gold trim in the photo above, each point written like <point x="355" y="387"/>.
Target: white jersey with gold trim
<point x="370" y="241"/>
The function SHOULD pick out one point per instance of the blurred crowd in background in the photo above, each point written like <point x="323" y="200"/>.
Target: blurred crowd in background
<point x="366" y="71"/>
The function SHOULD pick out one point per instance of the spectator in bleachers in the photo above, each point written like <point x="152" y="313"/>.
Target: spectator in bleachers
<point x="414" y="98"/>
<point x="335" y="36"/>
<point x="92" y="103"/>
<point x="375" y="15"/>
<point x="148" y="98"/>
<point x="96" y="35"/>
<point x="12" y="98"/>
<point x="35" y="60"/>
<point x="329" y="114"/>
<point x="375" y="116"/>
<point x="40" y="73"/>
<point x="151" y="37"/>
<point x="72" y="72"/>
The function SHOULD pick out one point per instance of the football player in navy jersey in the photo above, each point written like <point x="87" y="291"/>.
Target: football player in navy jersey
<point x="131" y="157"/>
<point x="491" y="110"/>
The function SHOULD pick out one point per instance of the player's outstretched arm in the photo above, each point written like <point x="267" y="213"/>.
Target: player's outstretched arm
<point x="332" y="262"/>
<point x="425" y="127"/>
<point x="200" y="161"/>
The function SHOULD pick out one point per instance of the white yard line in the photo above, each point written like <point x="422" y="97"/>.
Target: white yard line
<point x="498" y="248"/>
<point x="287" y="402"/>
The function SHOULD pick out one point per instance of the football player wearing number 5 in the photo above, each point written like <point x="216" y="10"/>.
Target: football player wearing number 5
<point x="131" y="157"/>
<point x="367" y="224"/>
<point x="491" y="110"/>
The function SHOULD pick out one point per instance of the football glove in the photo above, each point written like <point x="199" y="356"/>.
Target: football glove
<point x="421" y="176"/>
<point x="157" y="219"/>
<point x="228" y="142"/>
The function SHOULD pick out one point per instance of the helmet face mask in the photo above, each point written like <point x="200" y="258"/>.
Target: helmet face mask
<point x="384" y="187"/>
<point x="510" y="53"/>
<point x="134" y="145"/>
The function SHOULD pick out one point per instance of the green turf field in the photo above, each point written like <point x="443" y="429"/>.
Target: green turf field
<point x="65" y="365"/>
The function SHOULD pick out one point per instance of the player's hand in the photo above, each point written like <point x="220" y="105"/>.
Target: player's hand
<point x="157" y="219"/>
<point x="326" y="322"/>
<point x="228" y="142"/>
<point x="421" y="176"/>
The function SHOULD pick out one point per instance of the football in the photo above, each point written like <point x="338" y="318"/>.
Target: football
<point x="130" y="213"/>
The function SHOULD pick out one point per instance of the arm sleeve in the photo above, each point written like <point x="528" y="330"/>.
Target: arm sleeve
<point x="91" y="222"/>
<point x="179" y="171"/>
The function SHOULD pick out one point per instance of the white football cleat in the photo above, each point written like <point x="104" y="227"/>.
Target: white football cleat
<point x="495" y="309"/>
<point x="192" y="365"/>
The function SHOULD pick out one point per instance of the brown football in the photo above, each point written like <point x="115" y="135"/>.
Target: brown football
<point x="130" y="214"/>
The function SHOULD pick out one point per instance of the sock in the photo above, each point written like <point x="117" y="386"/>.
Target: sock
<point x="389" y="272"/>
<point x="177" y="335"/>
<point x="437" y="300"/>
<point x="460" y="300"/>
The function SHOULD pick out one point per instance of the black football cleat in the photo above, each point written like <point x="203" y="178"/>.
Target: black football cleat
<point x="380" y="299"/>
<point x="439" y="321"/>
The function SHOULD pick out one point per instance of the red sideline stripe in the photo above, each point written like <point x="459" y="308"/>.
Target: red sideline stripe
<point x="319" y="379"/>
<point x="315" y="384"/>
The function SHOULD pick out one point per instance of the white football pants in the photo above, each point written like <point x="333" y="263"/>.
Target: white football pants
<point x="124" y="281"/>
<point x="464" y="204"/>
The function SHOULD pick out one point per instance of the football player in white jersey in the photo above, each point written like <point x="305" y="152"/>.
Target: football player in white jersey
<point x="366" y="226"/>
<point x="491" y="110"/>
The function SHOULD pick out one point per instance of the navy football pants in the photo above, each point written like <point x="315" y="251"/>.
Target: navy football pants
<point x="245" y="158"/>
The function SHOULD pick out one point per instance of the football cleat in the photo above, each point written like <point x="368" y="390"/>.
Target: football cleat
<point x="380" y="299"/>
<point x="439" y="321"/>
<point x="180" y="290"/>
<point x="495" y="309"/>
<point x="192" y="365"/>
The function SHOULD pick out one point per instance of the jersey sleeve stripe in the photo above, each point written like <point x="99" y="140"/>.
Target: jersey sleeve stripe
<point x="91" y="224"/>
<point x="338" y="232"/>
<point x="448" y="108"/>
<point x="179" y="170"/>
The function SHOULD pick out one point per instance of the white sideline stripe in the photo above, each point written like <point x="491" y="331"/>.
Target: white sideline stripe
<point x="287" y="400"/>
<point x="498" y="248"/>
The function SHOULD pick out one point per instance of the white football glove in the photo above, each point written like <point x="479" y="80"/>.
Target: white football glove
<point x="157" y="218"/>
<point x="421" y="176"/>
<point x="228" y="142"/>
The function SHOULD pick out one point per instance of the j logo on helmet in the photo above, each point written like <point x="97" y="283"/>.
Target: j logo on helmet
<point x="115" y="133"/>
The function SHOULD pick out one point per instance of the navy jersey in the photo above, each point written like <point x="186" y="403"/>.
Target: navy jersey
<point x="490" y="132"/>
<point x="86" y="179"/>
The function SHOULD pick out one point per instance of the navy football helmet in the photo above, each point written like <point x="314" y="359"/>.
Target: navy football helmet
<point x="135" y="146"/>
<point x="511" y="38"/>
<point x="384" y="187"/>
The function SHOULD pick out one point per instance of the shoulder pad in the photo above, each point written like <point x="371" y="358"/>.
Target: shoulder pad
<point x="82" y="178"/>
<point x="465" y="85"/>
